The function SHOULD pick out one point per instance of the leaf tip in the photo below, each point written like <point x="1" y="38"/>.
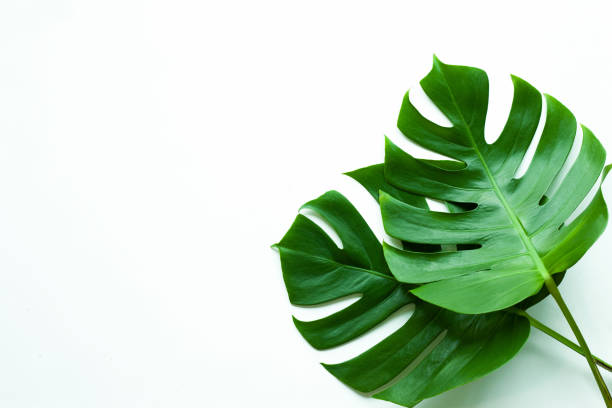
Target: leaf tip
<point x="383" y="197"/>
<point x="437" y="63"/>
<point x="516" y="79"/>
<point x="606" y="170"/>
<point x="354" y="175"/>
<point x="299" y="325"/>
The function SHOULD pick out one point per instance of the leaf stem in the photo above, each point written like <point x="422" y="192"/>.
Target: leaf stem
<point x="554" y="291"/>
<point x="559" y="337"/>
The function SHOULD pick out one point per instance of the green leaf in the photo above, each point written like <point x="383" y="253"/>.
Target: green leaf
<point x="515" y="237"/>
<point x="434" y="351"/>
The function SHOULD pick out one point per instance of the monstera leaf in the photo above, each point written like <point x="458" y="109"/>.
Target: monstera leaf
<point x="513" y="235"/>
<point x="504" y="244"/>
<point x="443" y="349"/>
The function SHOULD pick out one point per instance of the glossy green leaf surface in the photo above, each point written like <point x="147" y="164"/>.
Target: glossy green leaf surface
<point x="435" y="350"/>
<point x="515" y="235"/>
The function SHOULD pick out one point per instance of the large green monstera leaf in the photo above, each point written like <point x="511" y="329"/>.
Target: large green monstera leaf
<point x="504" y="244"/>
<point x="513" y="235"/>
<point x="444" y="348"/>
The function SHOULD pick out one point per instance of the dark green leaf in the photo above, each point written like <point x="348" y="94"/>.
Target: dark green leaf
<point x="435" y="350"/>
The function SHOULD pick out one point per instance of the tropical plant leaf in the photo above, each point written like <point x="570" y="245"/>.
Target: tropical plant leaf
<point x="372" y="178"/>
<point x="502" y="238"/>
<point x="434" y="351"/>
<point x="515" y="237"/>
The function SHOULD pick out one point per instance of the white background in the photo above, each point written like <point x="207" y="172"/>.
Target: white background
<point x="151" y="151"/>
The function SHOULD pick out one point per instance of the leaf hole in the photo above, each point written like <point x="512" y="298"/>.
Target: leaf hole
<point x="429" y="248"/>
<point x="322" y="310"/>
<point x="585" y="202"/>
<point x="427" y="108"/>
<point x="468" y="247"/>
<point x="501" y="94"/>
<point x="567" y="165"/>
<point x="324" y="225"/>
<point x="369" y="339"/>
<point x="394" y="242"/>
<point x="528" y="158"/>
<point x="410" y="147"/>
<point x="422" y="356"/>
<point x="430" y="112"/>
<point x="461" y="207"/>
<point x="417" y="247"/>
<point x="367" y="207"/>
<point x="436" y="205"/>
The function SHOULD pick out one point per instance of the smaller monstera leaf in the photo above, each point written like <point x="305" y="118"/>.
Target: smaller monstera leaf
<point x="513" y="236"/>
<point x="434" y="351"/>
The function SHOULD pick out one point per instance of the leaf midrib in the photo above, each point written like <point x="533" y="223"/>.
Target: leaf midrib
<point x="516" y="223"/>
<point x="339" y="264"/>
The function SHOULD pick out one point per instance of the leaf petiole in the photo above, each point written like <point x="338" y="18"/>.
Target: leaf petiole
<point x="559" y="337"/>
<point x="603" y="388"/>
